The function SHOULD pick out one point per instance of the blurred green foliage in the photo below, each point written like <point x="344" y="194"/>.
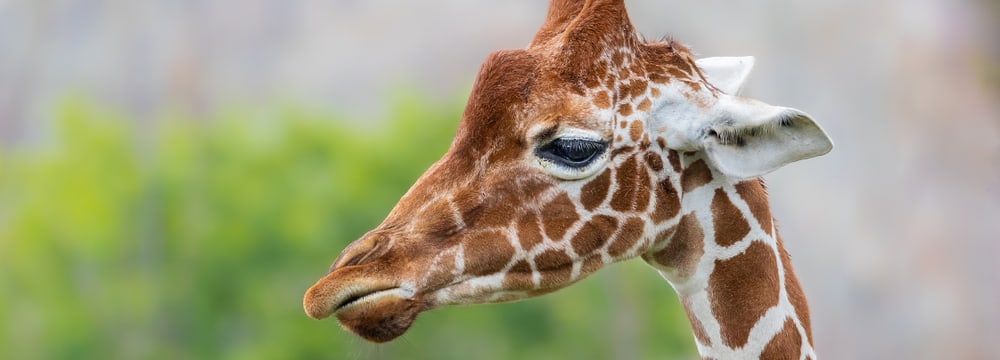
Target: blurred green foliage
<point x="197" y="240"/>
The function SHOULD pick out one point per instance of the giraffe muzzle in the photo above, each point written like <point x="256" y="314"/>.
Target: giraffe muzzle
<point x="375" y="308"/>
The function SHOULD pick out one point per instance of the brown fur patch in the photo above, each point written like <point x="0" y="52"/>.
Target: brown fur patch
<point x="624" y="73"/>
<point x="633" y="191"/>
<point x="529" y="189"/>
<point x="617" y="58"/>
<point x="640" y="72"/>
<point x="469" y="205"/>
<point x="558" y="215"/>
<point x="645" y="105"/>
<point x="795" y="294"/>
<point x="644" y="188"/>
<point x="519" y="277"/>
<point x="593" y="234"/>
<point x="592" y="264"/>
<point x="668" y="202"/>
<point x="593" y="193"/>
<point x="654" y="92"/>
<point x="625" y="109"/>
<point x="659" y="78"/>
<point x="552" y="259"/>
<point x="637" y="88"/>
<point x="529" y="231"/>
<point x="633" y="88"/>
<point x="635" y="131"/>
<point x="487" y="252"/>
<point x="499" y="211"/>
<point x="753" y="193"/>
<point x="609" y="82"/>
<point x="623" y="124"/>
<point x="624" y="150"/>
<point x="741" y="290"/>
<point x="730" y="225"/>
<point x="555" y="278"/>
<point x="625" y="87"/>
<point x="437" y="219"/>
<point x="555" y="266"/>
<point x="654" y="160"/>
<point x="685" y="248"/>
<point x="625" y="177"/>
<point x="787" y="344"/>
<point x="696" y="175"/>
<point x="631" y="231"/>
<point x="521" y="267"/>
<point x="672" y="156"/>
<point x="517" y="280"/>
<point x="602" y="100"/>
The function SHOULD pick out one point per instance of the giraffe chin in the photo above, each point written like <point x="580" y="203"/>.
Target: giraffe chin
<point x="379" y="317"/>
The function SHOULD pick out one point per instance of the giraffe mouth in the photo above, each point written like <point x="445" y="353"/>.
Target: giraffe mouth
<point x="375" y="309"/>
<point x="378" y="316"/>
<point x="368" y="296"/>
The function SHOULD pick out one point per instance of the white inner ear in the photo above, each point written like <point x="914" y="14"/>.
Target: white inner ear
<point x="750" y="138"/>
<point x="726" y="73"/>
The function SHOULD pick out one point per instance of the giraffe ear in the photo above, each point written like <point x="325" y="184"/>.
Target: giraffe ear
<point x="749" y="138"/>
<point x="726" y="73"/>
<point x="560" y="13"/>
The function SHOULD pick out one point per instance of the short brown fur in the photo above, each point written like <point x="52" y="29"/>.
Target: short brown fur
<point x="730" y="226"/>
<point x="741" y="290"/>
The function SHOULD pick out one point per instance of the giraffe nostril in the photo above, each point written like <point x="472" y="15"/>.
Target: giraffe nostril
<point x="361" y="251"/>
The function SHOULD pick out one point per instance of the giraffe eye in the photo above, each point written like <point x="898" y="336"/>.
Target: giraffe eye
<point x="572" y="153"/>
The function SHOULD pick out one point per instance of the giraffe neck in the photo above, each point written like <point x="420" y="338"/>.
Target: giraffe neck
<point x="727" y="264"/>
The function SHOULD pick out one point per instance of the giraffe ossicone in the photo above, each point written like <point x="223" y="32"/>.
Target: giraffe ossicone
<point x="587" y="148"/>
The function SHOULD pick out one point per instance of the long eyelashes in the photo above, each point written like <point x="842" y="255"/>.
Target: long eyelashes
<point x="573" y="153"/>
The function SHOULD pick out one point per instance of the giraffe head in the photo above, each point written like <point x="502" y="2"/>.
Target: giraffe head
<point x="566" y="159"/>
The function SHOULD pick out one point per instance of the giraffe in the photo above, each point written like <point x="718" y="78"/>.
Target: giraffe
<point x="589" y="147"/>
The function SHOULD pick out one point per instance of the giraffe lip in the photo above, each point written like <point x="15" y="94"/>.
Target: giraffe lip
<point x="345" y="289"/>
<point x="368" y="296"/>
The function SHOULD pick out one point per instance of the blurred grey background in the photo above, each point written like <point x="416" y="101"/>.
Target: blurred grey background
<point x="895" y="234"/>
